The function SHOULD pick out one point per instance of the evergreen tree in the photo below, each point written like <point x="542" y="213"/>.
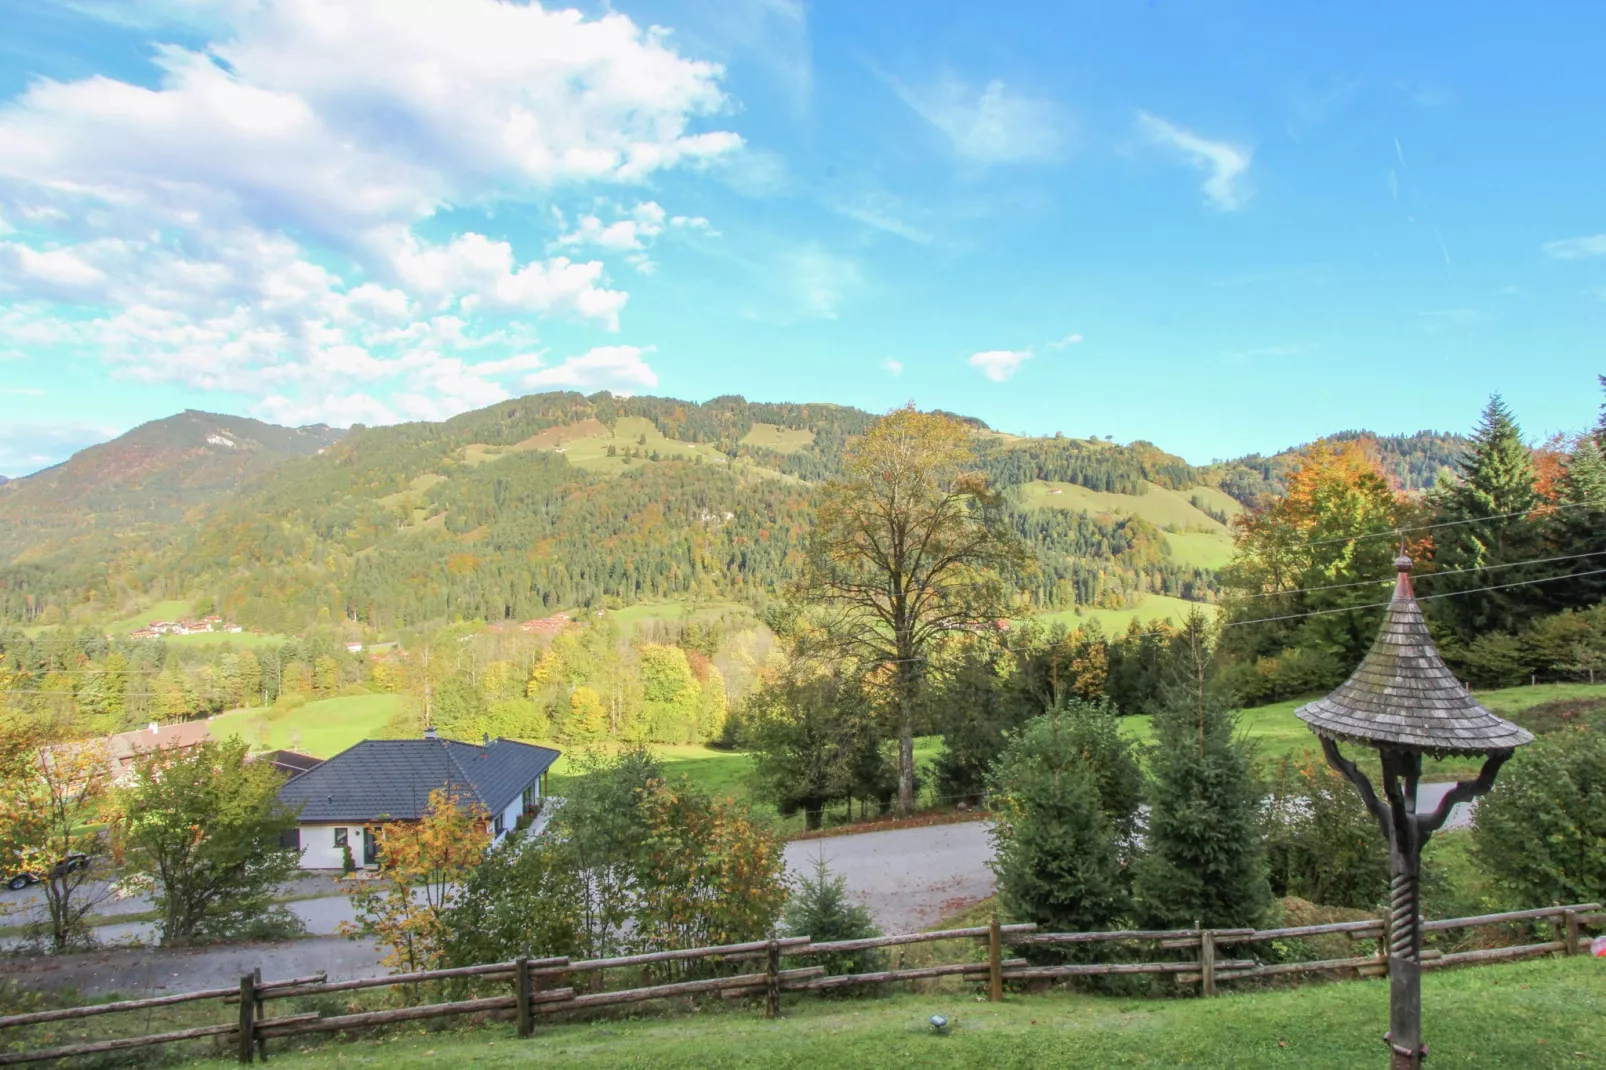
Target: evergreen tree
<point x="1058" y="852"/>
<point x="1491" y="505"/>
<point x="1578" y="526"/>
<point x="818" y="907"/>
<point x="1203" y="861"/>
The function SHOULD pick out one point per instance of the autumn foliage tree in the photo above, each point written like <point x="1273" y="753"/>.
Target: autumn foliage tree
<point x="53" y="802"/>
<point x="907" y="548"/>
<point x="422" y="865"/>
<point x="206" y="826"/>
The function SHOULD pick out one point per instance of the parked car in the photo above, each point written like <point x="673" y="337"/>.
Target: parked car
<point x="71" y="863"/>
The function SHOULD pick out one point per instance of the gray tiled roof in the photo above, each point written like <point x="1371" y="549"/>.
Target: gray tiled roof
<point x="392" y="778"/>
<point x="1402" y="694"/>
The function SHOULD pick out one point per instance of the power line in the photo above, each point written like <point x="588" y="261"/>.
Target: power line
<point x="1396" y="532"/>
<point x="1419" y="598"/>
<point x="1430" y="575"/>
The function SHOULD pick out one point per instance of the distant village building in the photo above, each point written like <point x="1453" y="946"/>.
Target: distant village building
<point x="354" y="648"/>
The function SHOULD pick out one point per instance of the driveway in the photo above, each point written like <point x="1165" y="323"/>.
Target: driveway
<point x="909" y="878"/>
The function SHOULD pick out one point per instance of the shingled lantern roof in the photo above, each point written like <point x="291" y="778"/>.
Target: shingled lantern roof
<point x="1402" y="696"/>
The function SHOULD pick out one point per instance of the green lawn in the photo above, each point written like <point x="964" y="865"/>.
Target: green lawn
<point x="1276" y="731"/>
<point x="1150" y="607"/>
<point x="321" y="729"/>
<point x="641" y="612"/>
<point x="239" y="640"/>
<point x="777" y="438"/>
<point x="1200" y="549"/>
<point x="1549" y="1013"/>
<point x="173" y="609"/>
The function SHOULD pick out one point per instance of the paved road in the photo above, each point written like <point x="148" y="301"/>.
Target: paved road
<point x="907" y="877"/>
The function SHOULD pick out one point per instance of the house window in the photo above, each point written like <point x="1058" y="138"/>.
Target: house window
<point x="496" y="825"/>
<point x="529" y="798"/>
<point x="291" y="839"/>
<point x="340" y="837"/>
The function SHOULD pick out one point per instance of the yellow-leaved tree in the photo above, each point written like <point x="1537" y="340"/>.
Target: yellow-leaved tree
<point x="421" y="865"/>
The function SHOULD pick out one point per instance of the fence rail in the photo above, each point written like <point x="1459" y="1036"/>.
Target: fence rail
<point x="528" y="999"/>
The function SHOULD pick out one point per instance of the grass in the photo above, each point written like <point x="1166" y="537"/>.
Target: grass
<point x="1150" y="607"/>
<point x="1541" y="1014"/>
<point x="1277" y="732"/>
<point x="239" y="640"/>
<point x="1200" y="549"/>
<point x="642" y="612"/>
<point x="172" y="609"/>
<point x="322" y="729"/>
<point x="1161" y="507"/>
<point x="777" y="438"/>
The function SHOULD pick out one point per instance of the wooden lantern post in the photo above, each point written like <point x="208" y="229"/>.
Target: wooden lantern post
<point x="1404" y="703"/>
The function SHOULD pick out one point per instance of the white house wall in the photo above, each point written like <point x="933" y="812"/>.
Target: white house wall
<point x="318" y="850"/>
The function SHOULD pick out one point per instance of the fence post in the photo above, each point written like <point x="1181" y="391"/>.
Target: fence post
<point x="995" y="961"/>
<point x="772" y="981"/>
<point x="248" y="1006"/>
<point x="1207" y="962"/>
<point x="1571" y="917"/>
<point x="257" y="1013"/>
<point x="522" y="984"/>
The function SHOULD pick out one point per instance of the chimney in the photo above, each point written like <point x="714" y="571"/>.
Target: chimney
<point x="429" y="732"/>
<point x="485" y="739"/>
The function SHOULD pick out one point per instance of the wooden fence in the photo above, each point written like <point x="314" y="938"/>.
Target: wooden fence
<point x="559" y="985"/>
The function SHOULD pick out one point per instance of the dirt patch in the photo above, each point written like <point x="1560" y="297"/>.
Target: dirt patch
<point x="883" y="824"/>
<point x="553" y="437"/>
<point x="1563" y="713"/>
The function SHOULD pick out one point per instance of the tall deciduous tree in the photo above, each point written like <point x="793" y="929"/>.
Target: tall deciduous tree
<point x="1314" y="549"/>
<point x="1203" y="862"/>
<point x="207" y="827"/>
<point x="906" y="549"/>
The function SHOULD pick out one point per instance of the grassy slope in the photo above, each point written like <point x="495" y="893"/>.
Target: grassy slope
<point x="1276" y="731"/>
<point x="779" y="439"/>
<point x="1113" y="621"/>
<point x="169" y="610"/>
<point x="322" y="728"/>
<point x="1535" y="1014"/>
<point x="1200" y="539"/>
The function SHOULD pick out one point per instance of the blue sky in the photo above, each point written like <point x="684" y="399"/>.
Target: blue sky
<point x="1223" y="228"/>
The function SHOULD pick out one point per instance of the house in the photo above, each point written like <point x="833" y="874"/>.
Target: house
<point x="124" y="747"/>
<point x="290" y="763"/>
<point x="383" y="780"/>
<point x="354" y="648"/>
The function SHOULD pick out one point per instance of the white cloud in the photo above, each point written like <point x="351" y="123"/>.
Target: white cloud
<point x="999" y="364"/>
<point x="27" y="447"/>
<point x="1576" y="248"/>
<point x="893" y="367"/>
<point x="1068" y="340"/>
<point x="1224" y="165"/>
<point x="817" y="282"/>
<point x="255" y="221"/>
<point x="992" y="125"/>
<point x="616" y="368"/>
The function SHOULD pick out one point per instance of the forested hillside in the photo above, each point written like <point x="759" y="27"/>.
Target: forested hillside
<point x="562" y="501"/>
<point x="150" y="476"/>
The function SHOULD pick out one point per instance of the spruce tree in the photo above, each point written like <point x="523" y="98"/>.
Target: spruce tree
<point x="1202" y="861"/>
<point x="1490" y="506"/>
<point x="1578" y="526"/>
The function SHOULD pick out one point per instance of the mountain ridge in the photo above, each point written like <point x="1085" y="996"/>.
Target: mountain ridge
<point x="552" y="501"/>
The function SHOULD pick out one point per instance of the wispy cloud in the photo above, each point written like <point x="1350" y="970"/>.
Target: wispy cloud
<point x="1224" y="165"/>
<point x="1061" y="343"/>
<point x="1576" y="248"/>
<point x="999" y="364"/>
<point x="819" y="281"/>
<point x="884" y="213"/>
<point x="893" y="367"/>
<point x="1244" y="356"/>
<point x="992" y="125"/>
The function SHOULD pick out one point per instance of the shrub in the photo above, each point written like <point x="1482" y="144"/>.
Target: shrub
<point x="524" y="899"/>
<point x="1321" y="844"/>
<point x="1541" y="833"/>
